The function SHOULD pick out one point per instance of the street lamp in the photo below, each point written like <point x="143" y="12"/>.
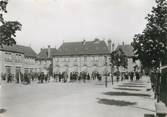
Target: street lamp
<point x="112" y="71"/>
<point x="105" y="59"/>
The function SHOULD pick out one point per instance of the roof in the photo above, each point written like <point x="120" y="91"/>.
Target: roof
<point x="44" y="53"/>
<point x="27" y="51"/>
<point x="127" y="49"/>
<point x="95" y="47"/>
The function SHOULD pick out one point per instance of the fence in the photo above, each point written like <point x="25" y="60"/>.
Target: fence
<point x="163" y="86"/>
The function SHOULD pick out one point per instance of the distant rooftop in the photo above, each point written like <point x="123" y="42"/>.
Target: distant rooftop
<point x="27" y="51"/>
<point x="95" y="47"/>
<point x="44" y="53"/>
<point x="127" y="49"/>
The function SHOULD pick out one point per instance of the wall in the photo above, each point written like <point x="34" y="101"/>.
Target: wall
<point x="30" y="64"/>
<point x="43" y="65"/>
<point x="79" y="63"/>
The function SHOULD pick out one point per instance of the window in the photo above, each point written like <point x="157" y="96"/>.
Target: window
<point x="8" y="56"/>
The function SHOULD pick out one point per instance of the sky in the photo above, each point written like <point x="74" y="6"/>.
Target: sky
<point x="52" y="22"/>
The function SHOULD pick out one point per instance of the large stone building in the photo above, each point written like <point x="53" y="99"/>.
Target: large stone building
<point x="84" y="56"/>
<point x="44" y="59"/>
<point x="17" y="58"/>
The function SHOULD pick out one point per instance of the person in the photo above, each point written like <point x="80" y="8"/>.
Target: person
<point x="131" y="76"/>
<point x="88" y="76"/>
<point x="17" y="77"/>
<point x="117" y="75"/>
<point x="45" y="75"/>
<point x="29" y="78"/>
<point x="99" y="77"/>
<point x="42" y="77"/>
<point x="39" y="77"/>
<point x="45" y="78"/>
<point x="60" y="77"/>
<point x="126" y="76"/>
<point x="9" y="78"/>
<point x="25" y="78"/>
<point x="84" y="77"/>
<point x="137" y="76"/>
<point x="79" y="77"/>
<point x="65" y="77"/>
<point x="122" y="76"/>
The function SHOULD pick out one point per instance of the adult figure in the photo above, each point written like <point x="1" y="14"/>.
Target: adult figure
<point x="131" y="76"/>
<point x="137" y="76"/>
<point x="9" y="78"/>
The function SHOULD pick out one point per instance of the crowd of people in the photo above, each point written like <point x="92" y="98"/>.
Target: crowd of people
<point x="42" y="77"/>
<point x="127" y="76"/>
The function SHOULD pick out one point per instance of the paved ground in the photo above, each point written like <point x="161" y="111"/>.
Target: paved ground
<point x="124" y="99"/>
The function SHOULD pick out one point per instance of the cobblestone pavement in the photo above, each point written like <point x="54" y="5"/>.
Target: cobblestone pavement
<point x="91" y="99"/>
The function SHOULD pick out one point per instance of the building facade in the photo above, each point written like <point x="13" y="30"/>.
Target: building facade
<point x="133" y="65"/>
<point x="44" y="59"/>
<point x="85" y="56"/>
<point x="17" y="58"/>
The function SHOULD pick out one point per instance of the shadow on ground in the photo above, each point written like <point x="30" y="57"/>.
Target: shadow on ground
<point x="125" y="94"/>
<point x="147" y="109"/>
<point x="115" y="102"/>
<point x="2" y="110"/>
<point x="139" y="86"/>
<point x="149" y="115"/>
<point x="99" y="84"/>
<point x="127" y="89"/>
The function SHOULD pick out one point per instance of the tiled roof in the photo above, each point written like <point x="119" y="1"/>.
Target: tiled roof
<point x="82" y="48"/>
<point x="44" y="53"/>
<point x="127" y="49"/>
<point x="27" y="51"/>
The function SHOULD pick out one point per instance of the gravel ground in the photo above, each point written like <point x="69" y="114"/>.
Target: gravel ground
<point x="91" y="99"/>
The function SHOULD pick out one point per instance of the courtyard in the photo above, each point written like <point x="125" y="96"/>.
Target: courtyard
<point x="90" y="99"/>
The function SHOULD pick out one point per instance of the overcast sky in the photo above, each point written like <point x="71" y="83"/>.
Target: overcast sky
<point x="49" y="22"/>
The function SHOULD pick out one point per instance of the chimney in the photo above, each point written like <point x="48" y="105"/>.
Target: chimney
<point x="109" y="45"/>
<point x="49" y="51"/>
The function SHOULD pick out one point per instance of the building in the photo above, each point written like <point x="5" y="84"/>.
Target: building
<point x="132" y="63"/>
<point x="17" y="58"/>
<point x="44" y="59"/>
<point x="84" y="56"/>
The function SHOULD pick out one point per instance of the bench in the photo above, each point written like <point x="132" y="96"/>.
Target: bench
<point x="161" y="109"/>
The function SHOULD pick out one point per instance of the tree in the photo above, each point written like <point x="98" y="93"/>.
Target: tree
<point x="8" y="28"/>
<point x="150" y="46"/>
<point x="118" y="58"/>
